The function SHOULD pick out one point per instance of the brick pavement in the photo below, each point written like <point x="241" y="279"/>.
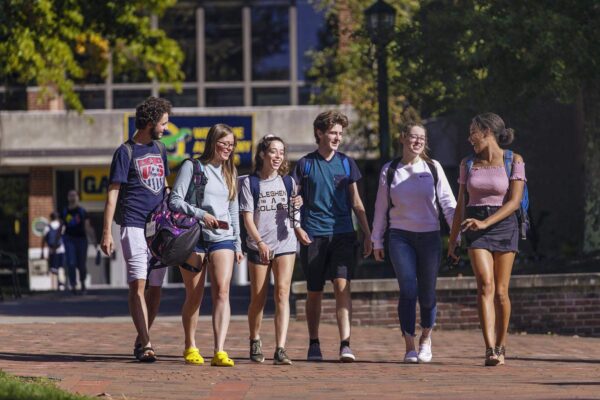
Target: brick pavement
<point x="94" y="357"/>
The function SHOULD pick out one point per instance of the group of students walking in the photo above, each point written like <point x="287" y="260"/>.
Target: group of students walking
<point x="313" y="206"/>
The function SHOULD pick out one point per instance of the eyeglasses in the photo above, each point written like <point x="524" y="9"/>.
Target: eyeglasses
<point x="416" y="138"/>
<point x="227" y="145"/>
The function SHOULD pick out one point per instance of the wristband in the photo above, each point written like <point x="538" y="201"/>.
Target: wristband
<point x="259" y="242"/>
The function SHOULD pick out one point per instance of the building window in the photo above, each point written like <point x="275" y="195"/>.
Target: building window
<point x="223" y="44"/>
<point x="92" y="99"/>
<point x="129" y="98"/>
<point x="179" y="23"/>
<point x="187" y="97"/>
<point x="311" y="24"/>
<point x="224" y="97"/>
<point x="270" y="43"/>
<point x="270" y="96"/>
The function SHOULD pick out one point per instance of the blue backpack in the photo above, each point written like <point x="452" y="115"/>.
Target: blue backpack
<point x="54" y="237"/>
<point x="171" y="236"/>
<point x="255" y="190"/>
<point x="523" y="212"/>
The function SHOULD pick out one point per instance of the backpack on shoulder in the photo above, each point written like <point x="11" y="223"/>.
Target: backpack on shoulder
<point x="171" y="236"/>
<point x="255" y="190"/>
<point x="118" y="216"/>
<point x="523" y="211"/>
<point x="54" y="237"/>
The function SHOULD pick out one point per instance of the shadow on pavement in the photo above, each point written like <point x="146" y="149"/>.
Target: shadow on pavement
<point x="564" y="360"/>
<point x="113" y="303"/>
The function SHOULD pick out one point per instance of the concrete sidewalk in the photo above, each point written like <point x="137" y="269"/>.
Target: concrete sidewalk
<point x="94" y="357"/>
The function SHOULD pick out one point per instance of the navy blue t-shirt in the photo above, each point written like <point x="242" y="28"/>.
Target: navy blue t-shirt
<point x="325" y="192"/>
<point x="74" y="220"/>
<point x="144" y="177"/>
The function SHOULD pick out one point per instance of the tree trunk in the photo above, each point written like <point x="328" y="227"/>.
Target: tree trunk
<point x="591" y="106"/>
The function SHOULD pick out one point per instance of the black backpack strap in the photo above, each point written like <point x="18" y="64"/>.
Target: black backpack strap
<point x="199" y="180"/>
<point x="434" y="173"/>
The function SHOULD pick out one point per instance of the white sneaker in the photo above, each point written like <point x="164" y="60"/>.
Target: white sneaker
<point x="425" y="351"/>
<point x="411" y="357"/>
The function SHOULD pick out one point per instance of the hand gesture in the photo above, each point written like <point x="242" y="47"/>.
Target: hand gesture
<point x="302" y="236"/>
<point x="379" y="254"/>
<point x="264" y="252"/>
<point x="367" y="247"/>
<point x="210" y="222"/>
<point x="472" y="224"/>
<point x="107" y="244"/>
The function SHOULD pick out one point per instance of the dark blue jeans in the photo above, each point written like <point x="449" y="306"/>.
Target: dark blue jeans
<point x="416" y="260"/>
<point x="76" y="255"/>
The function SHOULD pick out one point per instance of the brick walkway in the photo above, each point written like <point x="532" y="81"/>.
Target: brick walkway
<point x="93" y="357"/>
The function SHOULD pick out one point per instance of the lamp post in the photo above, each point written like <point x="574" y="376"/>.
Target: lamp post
<point x="380" y="20"/>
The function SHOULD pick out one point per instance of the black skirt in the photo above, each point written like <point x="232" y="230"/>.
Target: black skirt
<point x="503" y="236"/>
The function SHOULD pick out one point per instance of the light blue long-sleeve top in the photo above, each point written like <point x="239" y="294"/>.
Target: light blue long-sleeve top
<point x="215" y="201"/>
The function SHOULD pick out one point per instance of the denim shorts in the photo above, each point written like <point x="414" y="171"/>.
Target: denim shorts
<point x="503" y="236"/>
<point x="208" y="247"/>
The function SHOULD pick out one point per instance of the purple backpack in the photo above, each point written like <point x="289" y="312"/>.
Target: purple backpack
<point x="171" y="236"/>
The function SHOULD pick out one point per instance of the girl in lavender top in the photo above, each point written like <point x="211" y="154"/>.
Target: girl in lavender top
<point x="489" y="199"/>
<point x="410" y="206"/>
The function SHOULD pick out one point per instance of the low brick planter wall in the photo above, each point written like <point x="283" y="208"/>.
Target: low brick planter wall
<point x="557" y="303"/>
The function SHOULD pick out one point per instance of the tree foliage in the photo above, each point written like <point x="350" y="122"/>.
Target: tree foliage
<point x="484" y="54"/>
<point x="344" y="68"/>
<point x="56" y="43"/>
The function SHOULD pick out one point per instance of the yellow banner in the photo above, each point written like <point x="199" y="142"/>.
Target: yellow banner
<point x="93" y="183"/>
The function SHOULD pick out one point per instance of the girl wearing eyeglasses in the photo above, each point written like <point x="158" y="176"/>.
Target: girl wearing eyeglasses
<point x="219" y="247"/>
<point x="413" y="191"/>
<point x="270" y="213"/>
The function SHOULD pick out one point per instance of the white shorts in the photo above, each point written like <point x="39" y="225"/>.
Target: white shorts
<point x="137" y="255"/>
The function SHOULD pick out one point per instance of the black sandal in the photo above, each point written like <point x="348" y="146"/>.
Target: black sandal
<point x="136" y="349"/>
<point x="146" y="354"/>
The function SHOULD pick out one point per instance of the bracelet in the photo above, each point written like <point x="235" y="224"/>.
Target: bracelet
<point x="259" y="242"/>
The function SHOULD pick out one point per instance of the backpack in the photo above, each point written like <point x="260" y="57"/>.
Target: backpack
<point x="255" y="190"/>
<point x="389" y="178"/>
<point x="119" y="209"/>
<point x="54" y="237"/>
<point x="171" y="236"/>
<point x="523" y="211"/>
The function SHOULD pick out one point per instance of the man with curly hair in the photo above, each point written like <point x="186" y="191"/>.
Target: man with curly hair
<point x="136" y="187"/>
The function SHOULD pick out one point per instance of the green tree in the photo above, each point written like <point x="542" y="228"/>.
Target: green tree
<point x="504" y="55"/>
<point x="56" y="43"/>
<point x="344" y="68"/>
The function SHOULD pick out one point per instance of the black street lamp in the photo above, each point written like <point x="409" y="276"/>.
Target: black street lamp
<point x="380" y="19"/>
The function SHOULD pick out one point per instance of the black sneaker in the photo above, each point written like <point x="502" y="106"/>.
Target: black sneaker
<point x="280" y="357"/>
<point x="256" y="353"/>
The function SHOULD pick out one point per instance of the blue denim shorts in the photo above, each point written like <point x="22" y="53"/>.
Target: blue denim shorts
<point x="208" y="247"/>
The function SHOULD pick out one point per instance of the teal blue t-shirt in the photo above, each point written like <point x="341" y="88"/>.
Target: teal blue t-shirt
<point x="325" y="191"/>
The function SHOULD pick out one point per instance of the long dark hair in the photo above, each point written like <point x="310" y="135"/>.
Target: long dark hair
<point x="493" y="122"/>
<point x="216" y="132"/>
<point x="263" y="146"/>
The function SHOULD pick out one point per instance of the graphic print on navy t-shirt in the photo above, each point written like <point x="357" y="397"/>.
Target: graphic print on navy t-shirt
<point x="151" y="172"/>
<point x="144" y="177"/>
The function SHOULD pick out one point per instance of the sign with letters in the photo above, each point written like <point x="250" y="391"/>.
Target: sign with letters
<point x="186" y="136"/>
<point x="93" y="183"/>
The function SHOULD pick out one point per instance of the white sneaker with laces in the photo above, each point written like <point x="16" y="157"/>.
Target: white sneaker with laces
<point x="425" y="351"/>
<point x="411" y="357"/>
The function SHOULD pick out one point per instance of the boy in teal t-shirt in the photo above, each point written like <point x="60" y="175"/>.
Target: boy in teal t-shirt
<point x="327" y="181"/>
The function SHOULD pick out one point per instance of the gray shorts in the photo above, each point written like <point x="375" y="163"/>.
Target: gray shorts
<point x="137" y="255"/>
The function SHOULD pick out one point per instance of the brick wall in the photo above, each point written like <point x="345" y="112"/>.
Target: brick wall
<point x="573" y="308"/>
<point x="41" y="201"/>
